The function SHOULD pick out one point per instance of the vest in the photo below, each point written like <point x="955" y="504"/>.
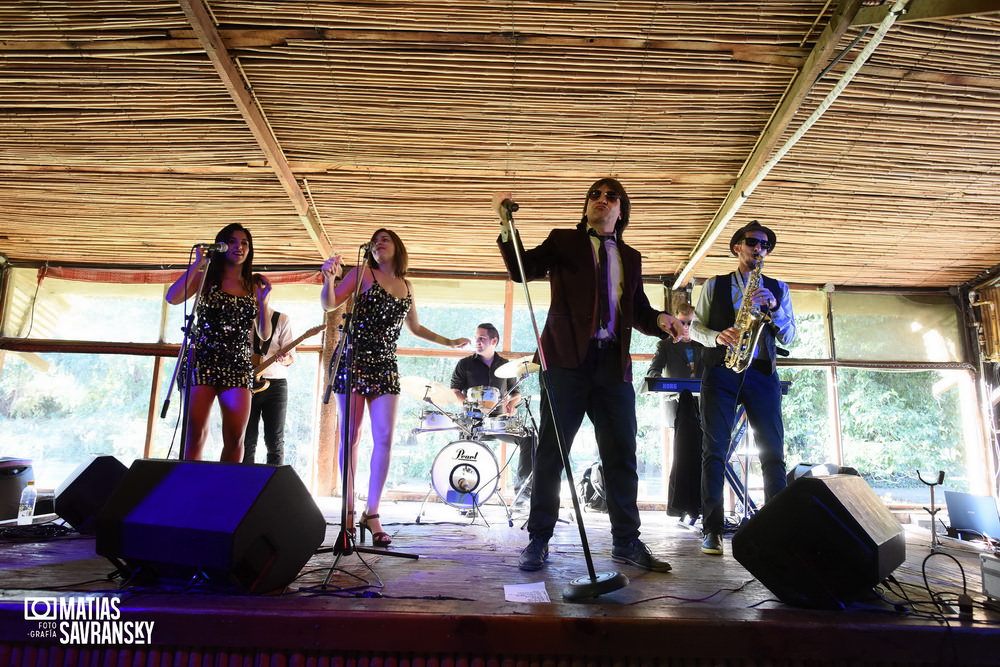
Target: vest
<point x="722" y="315"/>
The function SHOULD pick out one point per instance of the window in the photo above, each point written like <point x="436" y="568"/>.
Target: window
<point x="894" y="327"/>
<point x="60" y="408"/>
<point x="894" y="424"/>
<point x="69" y="407"/>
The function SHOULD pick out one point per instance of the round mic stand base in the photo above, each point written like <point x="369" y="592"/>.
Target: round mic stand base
<point x="584" y="588"/>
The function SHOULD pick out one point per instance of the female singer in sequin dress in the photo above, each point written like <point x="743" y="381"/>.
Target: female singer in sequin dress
<point x="384" y="305"/>
<point x="233" y="302"/>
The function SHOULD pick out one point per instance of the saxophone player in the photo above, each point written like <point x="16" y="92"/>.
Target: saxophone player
<point x="741" y="297"/>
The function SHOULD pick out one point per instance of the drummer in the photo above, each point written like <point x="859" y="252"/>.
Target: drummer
<point x="478" y="370"/>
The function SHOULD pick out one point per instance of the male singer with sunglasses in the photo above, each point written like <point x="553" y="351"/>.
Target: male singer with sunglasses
<point x="596" y="299"/>
<point x="757" y="388"/>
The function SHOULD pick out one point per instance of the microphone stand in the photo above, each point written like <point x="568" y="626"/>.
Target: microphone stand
<point x="185" y="354"/>
<point x="935" y="541"/>
<point x="594" y="584"/>
<point x="345" y="545"/>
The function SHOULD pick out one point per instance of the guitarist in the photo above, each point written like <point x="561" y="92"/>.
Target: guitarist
<point x="270" y="402"/>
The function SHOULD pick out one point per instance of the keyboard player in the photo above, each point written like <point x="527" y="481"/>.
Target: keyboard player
<point x="682" y="360"/>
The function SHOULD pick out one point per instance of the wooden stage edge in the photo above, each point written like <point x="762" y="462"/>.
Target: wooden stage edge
<point x="449" y="607"/>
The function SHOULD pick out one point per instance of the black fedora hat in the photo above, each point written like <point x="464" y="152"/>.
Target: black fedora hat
<point x="752" y="226"/>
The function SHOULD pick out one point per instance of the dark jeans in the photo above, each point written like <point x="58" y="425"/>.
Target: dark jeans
<point x="609" y="402"/>
<point x="760" y="395"/>
<point x="270" y="406"/>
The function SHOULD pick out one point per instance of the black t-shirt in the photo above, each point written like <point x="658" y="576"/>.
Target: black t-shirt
<point x="472" y="372"/>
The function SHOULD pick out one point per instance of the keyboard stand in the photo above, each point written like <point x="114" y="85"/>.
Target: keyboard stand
<point x="746" y="506"/>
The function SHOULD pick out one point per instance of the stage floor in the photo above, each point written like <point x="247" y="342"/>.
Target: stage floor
<point x="450" y="604"/>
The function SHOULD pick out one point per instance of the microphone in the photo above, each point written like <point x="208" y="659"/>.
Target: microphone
<point x="212" y="247"/>
<point x="367" y="247"/>
<point x="510" y="205"/>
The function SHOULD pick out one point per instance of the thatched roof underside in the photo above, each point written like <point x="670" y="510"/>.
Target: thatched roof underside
<point x="131" y="129"/>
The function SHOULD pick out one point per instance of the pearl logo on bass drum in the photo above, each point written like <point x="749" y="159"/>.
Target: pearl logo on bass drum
<point x="460" y="455"/>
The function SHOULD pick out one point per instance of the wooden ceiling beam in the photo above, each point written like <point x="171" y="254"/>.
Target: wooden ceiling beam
<point x="184" y="42"/>
<point x="240" y="90"/>
<point x="314" y="168"/>
<point x="928" y="10"/>
<point x="797" y="91"/>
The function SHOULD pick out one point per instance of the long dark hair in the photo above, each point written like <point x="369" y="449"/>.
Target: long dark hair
<point x="626" y="205"/>
<point x="218" y="260"/>
<point x="400" y="258"/>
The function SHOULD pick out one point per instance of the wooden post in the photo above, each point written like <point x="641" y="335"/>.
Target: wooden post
<point x="328" y="439"/>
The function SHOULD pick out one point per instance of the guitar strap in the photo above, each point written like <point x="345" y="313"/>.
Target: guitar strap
<point x="261" y="347"/>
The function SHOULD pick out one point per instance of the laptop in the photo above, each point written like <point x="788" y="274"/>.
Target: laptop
<point x="973" y="517"/>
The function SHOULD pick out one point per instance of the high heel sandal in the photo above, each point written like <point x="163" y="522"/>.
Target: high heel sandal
<point x="379" y="539"/>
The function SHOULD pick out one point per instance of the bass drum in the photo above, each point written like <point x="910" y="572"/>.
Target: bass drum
<point x="465" y="473"/>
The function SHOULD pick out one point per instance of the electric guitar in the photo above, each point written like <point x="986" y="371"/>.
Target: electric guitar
<point x="259" y="383"/>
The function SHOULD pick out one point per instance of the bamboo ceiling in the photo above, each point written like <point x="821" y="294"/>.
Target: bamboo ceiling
<point x="132" y="129"/>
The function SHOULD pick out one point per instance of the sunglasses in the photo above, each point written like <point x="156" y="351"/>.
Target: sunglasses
<point x="595" y="194"/>
<point x="752" y="242"/>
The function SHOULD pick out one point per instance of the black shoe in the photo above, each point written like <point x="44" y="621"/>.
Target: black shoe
<point x="534" y="555"/>
<point x="636" y="553"/>
<point x="712" y="544"/>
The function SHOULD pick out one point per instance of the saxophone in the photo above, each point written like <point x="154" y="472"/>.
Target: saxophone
<point x="750" y="321"/>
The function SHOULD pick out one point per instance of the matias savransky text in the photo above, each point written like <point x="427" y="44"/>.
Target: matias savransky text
<point x="84" y="621"/>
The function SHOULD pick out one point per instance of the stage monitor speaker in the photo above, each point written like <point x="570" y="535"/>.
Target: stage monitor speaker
<point x="252" y="527"/>
<point x="14" y="476"/>
<point x="85" y="491"/>
<point x="823" y="542"/>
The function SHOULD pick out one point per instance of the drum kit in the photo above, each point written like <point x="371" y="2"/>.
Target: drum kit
<point x="465" y="473"/>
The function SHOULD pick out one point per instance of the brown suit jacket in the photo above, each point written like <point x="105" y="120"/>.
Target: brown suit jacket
<point x="567" y="258"/>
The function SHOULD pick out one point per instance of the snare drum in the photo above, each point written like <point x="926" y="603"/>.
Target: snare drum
<point x="465" y="473"/>
<point x="483" y="397"/>
<point x="503" y="424"/>
<point x="503" y="427"/>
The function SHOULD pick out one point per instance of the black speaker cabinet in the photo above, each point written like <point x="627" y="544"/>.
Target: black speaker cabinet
<point x="252" y="527"/>
<point x="823" y="542"/>
<point x="14" y="476"/>
<point x="85" y="491"/>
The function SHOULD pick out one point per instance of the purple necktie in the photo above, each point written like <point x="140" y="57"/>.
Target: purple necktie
<point x="603" y="278"/>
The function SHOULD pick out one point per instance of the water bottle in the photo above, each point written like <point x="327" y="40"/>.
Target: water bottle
<point x="26" y="508"/>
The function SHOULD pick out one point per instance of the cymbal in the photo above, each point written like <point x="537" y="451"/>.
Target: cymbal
<point x="421" y="388"/>
<point x="517" y="368"/>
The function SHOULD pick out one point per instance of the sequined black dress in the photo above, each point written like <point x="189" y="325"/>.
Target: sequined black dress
<point x="378" y="319"/>
<point x="222" y="354"/>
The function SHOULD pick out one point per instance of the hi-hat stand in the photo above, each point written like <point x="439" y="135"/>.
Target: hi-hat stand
<point x="594" y="584"/>
<point x="345" y="544"/>
<point x="533" y="431"/>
